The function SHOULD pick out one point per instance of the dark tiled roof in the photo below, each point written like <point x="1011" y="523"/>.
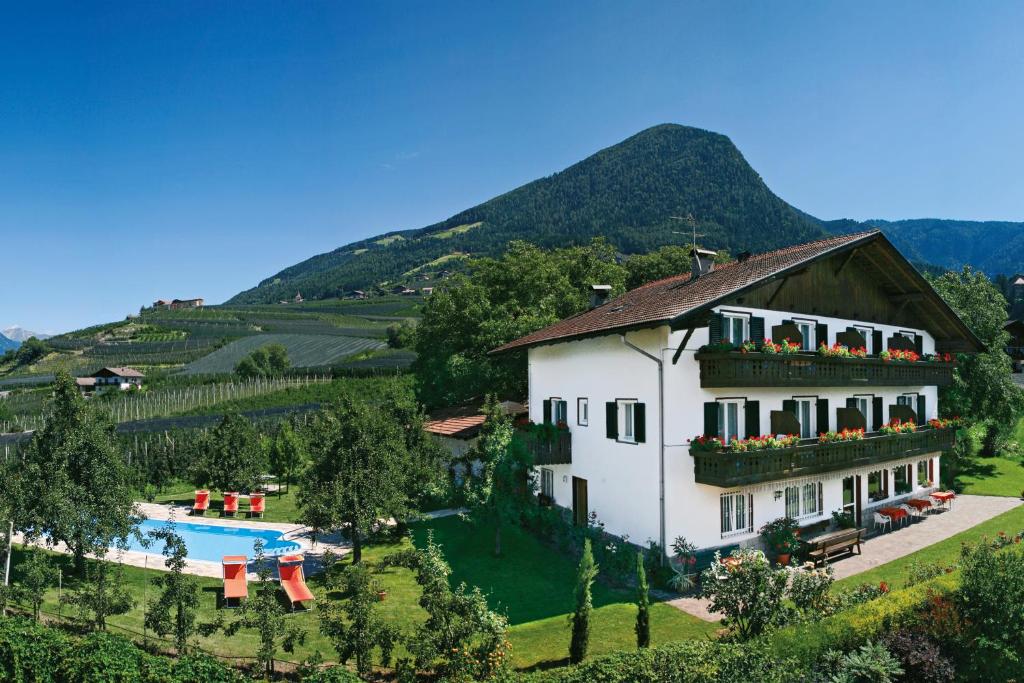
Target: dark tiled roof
<point x="118" y="372"/>
<point x="658" y="302"/>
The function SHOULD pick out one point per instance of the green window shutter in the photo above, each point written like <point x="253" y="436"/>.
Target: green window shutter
<point x="611" y="420"/>
<point x="918" y="344"/>
<point x="823" y="415"/>
<point x="711" y="419"/>
<point x="876" y="341"/>
<point x="790" y="405"/>
<point x="752" y="418"/>
<point x="640" y="422"/>
<point x="547" y="411"/>
<point x="876" y="417"/>
<point x="715" y="325"/>
<point x="922" y="415"/>
<point x="756" y="329"/>
<point x="821" y="332"/>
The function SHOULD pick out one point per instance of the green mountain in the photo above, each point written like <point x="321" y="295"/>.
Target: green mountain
<point x="996" y="247"/>
<point x="627" y="193"/>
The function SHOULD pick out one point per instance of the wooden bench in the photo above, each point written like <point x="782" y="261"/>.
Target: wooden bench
<point x="821" y="549"/>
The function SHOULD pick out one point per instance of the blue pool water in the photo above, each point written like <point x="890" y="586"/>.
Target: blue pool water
<point x="211" y="543"/>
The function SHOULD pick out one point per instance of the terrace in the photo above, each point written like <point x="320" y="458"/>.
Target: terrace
<point x="727" y="469"/>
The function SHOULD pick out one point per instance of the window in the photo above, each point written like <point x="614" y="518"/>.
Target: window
<point x="806" y="415"/>
<point x="730" y="417"/>
<point x="734" y="328"/>
<point x="737" y="513"/>
<point x="901" y="479"/>
<point x="850" y="495"/>
<point x="582" y="412"/>
<point x="869" y="335"/>
<point x="803" y="501"/>
<point x="878" y="485"/>
<point x="547" y="483"/>
<point x="627" y="421"/>
<point x="560" y="409"/>
<point x="807" y="333"/>
<point x="864" y="405"/>
<point x="922" y="473"/>
<point x="909" y="400"/>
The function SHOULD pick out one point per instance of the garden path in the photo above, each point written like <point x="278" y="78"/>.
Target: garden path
<point x="967" y="511"/>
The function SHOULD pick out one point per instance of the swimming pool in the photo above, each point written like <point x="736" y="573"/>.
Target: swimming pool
<point x="211" y="543"/>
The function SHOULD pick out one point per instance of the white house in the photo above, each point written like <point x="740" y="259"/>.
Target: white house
<point x="110" y="378"/>
<point x="637" y="378"/>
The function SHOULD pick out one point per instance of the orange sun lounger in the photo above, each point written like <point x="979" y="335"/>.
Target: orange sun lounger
<point x="230" y="502"/>
<point x="202" y="502"/>
<point x="257" y="503"/>
<point x="289" y="569"/>
<point x="236" y="584"/>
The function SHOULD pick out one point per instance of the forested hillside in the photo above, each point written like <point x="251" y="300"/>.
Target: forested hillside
<point x="996" y="247"/>
<point x="627" y="193"/>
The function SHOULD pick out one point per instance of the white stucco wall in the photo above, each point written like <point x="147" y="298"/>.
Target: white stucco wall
<point x="623" y="479"/>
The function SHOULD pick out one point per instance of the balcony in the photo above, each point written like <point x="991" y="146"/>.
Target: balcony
<point x="728" y="470"/>
<point x="553" y="447"/>
<point x="733" y="369"/>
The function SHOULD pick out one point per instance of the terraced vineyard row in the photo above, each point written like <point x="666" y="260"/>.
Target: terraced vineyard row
<point x="304" y="350"/>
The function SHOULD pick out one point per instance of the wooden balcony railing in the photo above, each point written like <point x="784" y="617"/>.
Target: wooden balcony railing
<point x="735" y="369"/>
<point x="548" y="449"/>
<point x="727" y="469"/>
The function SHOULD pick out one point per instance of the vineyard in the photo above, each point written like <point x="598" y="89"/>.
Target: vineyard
<point x="304" y="350"/>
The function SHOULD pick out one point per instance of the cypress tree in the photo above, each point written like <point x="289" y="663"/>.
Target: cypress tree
<point x="580" y="618"/>
<point x="643" y="605"/>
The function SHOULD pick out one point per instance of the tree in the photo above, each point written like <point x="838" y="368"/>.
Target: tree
<point x="354" y="626"/>
<point x="500" y="300"/>
<point x="30" y="351"/>
<point x="989" y="600"/>
<point x="982" y="388"/>
<point x="288" y="453"/>
<point x="267" y="361"/>
<point x="231" y="456"/>
<point x="358" y="472"/>
<point x="643" y="605"/>
<point x="263" y="612"/>
<point x="401" y="335"/>
<point x="101" y="594"/>
<point x="586" y="572"/>
<point x="175" y="610"/>
<point x="73" y="487"/>
<point x="498" y="489"/>
<point x="38" y="574"/>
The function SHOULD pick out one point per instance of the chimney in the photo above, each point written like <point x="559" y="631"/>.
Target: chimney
<point x="599" y="294"/>
<point x="703" y="261"/>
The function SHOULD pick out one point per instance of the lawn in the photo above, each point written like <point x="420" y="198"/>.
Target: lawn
<point x="945" y="552"/>
<point x="281" y="507"/>
<point x="996" y="476"/>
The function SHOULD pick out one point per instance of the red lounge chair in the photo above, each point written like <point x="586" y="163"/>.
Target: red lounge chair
<point x="202" y="503"/>
<point x="289" y="569"/>
<point x="257" y="502"/>
<point x="235" y="582"/>
<point x="230" y="502"/>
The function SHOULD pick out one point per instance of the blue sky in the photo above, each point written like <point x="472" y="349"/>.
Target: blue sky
<point x="154" y="150"/>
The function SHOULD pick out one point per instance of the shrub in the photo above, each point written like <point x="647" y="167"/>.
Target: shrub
<point x="919" y="572"/>
<point x="871" y="663"/>
<point x="746" y="589"/>
<point x="989" y="601"/>
<point x="810" y="590"/>
<point x="920" y="657"/>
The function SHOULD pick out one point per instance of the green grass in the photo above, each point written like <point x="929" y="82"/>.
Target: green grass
<point x="945" y="552"/>
<point x="533" y="585"/>
<point x="457" y="230"/>
<point x="279" y="507"/>
<point x="996" y="476"/>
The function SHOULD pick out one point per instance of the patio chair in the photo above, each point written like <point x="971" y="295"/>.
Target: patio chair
<point x="911" y="511"/>
<point x="230" y="503"/>
<point x="257" y="504"/>
<point x="236" y="583"/>
<point x="289" y="570"/>
<point x="202" y="503"/>
<point x="881" y="520"/>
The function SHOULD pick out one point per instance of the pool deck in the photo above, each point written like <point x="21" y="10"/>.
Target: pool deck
<point x="293" y="532"/>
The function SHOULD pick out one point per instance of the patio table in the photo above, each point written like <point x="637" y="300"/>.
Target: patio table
<point x="895" y="514"/>
<point x="920" y="504"/>
<point x="945" y="498"/>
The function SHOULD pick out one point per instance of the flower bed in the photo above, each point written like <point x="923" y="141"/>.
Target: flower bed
<point x="754" y="443"/>
<point x="897" y="426"/>
<point x="842" y="435"/>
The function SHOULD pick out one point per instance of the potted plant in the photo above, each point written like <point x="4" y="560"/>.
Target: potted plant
<point x="683" y="564"/>
<point x="781" y="536"/>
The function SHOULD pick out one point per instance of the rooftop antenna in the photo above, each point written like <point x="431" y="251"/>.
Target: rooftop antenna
<point x="688" y="218"/>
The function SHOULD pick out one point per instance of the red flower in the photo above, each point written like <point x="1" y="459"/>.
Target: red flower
<point x="884" y="587"/>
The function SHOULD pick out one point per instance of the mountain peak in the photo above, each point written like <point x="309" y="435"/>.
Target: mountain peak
<point x="19" y="334"/>
<point x="630" y="193"/>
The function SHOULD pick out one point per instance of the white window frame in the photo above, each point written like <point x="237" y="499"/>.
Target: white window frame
<point x="922" y="473"/>
<point x="723" y="404"/>
<point x="796" y="496"/>
<point x="850" y="507"/>
<point x="731" y="521"/>
<point x="810" y="340"/>
<point x="869" y="401"/>
<point x="557" y="401"/>
<point x="883" y="484"/>
<point x="812" y="413"/>
<point x="727" y="325"/>
<point x="583" y="411"/>
<point x="627" y="418"/>
<point x="547" y="482"/>
<point x="908" y="399"/>
<point x="869" y="335"/>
